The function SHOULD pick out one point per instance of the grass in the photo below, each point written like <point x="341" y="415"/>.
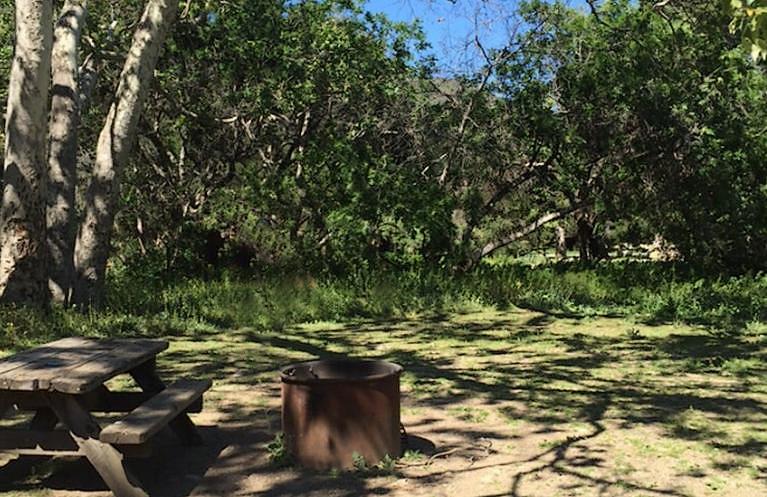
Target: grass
<point x="546" y="374"/>
<point x="596" y="373"/>
<point x="643" y="292"/>
<point x="470" y="414"/>
<point x="599" y="402"/>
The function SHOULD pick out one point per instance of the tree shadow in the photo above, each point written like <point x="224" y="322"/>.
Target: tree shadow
<point x="522" y="367"/>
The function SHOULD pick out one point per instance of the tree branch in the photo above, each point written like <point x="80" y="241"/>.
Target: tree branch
<point x="526" y="230"/>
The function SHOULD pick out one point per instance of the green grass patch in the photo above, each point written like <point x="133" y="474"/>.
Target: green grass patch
<point x="470" y="414"/>
<point x="648" y="293"/>
<point x="580" y="389"/>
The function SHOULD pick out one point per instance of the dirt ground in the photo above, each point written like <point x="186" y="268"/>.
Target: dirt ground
<point x="510" y="403"/>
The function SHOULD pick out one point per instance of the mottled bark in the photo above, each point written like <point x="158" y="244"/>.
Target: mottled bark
<point x="561" y="248"/>
<point x="113" y="149"/>
<point x="23" y="277"/>
<point x="62" y="150"/>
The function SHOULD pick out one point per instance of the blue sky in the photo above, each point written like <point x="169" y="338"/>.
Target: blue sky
<point x="450" y="26"/>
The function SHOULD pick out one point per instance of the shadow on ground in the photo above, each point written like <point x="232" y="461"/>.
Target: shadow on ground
<point x="583" y="405"/>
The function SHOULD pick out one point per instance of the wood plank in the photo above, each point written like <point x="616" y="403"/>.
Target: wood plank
<point x="138" y="426"/>
<point x="107" y="461"/>
<point x="44" y="419"/>
<point x="6" y="405"/>
<point x="31" y="355"/>
<point x="124" y="356"/>
<point x="147" y="378"/>
<point x="75" y="365"/>
<point x="95" y="401"/>
<point x="34" y="442"/>
<point x="55" y="443"/>
<point x="14" y="364"/>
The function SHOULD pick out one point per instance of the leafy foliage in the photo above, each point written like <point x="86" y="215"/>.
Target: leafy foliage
<point x="315" y="137"/>
<point x="293" y="155"/>
<point x="750" y="18"/>
<point x="6" y="52"/>
<point x="279" y="456"/>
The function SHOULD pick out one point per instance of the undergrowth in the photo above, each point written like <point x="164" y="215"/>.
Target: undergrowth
<point x="650" y="292"/>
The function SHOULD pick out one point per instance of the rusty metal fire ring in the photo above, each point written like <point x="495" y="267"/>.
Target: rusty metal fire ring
<point x="337" y="412"/>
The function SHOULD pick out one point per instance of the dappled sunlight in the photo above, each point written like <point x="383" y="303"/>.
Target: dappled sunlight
<point x="497" y="403"/>
<point x="525" y="402"/>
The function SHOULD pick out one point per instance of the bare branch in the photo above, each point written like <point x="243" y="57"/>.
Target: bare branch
<point x="523" y="232"/>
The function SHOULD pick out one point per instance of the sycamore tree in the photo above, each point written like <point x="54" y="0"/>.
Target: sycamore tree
<point x="38" y="215"/>
<point x="22" y="211"/>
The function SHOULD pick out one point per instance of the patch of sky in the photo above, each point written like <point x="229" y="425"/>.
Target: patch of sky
<point x="461" y="33"/>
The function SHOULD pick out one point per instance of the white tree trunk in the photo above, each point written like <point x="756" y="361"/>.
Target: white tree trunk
<point x="23" y="277"/>
<point x="113" y="149"/>
<point x="62" y="149"/>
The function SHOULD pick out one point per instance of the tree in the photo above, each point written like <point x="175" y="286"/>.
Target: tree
<point x="281" y="129"/>
<point x="62" y="146"/>
<point x="78" y="257"/>
<point x="113" y="151"/>
<point x="657" y="134"/>
<point x="23" y="276"/>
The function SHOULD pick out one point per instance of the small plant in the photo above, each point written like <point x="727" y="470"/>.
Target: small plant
<point x="552" y="443"/>
<point x="386" y="465"/>
<point x="738" y="366"/>
<point x="278" y="451"/>
<point x="358" y="462"/>
<point x="470" y="414"/>
<point x="413" y="456"/>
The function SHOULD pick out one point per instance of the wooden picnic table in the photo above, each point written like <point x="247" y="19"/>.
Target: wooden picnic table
<point x="63" y="383"/>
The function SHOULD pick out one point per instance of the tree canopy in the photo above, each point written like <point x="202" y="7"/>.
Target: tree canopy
<point x="317" y="135"/>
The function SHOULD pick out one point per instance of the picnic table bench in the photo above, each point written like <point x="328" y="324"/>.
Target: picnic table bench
<point x="63" y="383"/>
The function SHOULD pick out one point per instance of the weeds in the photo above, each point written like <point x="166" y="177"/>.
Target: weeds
<point x="412" y="456"/>
<point x="387" y="465"/>
<point x="649" y="292"/>
<point x="470" y="414"/>
<point x="279" y="456"/>
<point x="358" y="462"/>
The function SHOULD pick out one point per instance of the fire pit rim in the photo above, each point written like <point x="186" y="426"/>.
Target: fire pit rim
<point x="390" y="369"/>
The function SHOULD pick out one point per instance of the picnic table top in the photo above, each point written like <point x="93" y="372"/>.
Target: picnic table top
<point x="75" y="365"/>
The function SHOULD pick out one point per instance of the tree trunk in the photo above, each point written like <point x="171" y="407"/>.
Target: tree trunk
<point x="113" y="149"/>
<point x="23" y="277"/>
<point x="62" y="150"/>
<point x="561" y="243"/>
<point x="585" y="234"/>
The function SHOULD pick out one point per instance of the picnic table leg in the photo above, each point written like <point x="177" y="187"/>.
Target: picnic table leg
<point x="13" y="469"/>
<point x="107" y="461"/>
<point x="44" y="420"/>
<point x="5" y="407"/>
<point x="146" y="377"/>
